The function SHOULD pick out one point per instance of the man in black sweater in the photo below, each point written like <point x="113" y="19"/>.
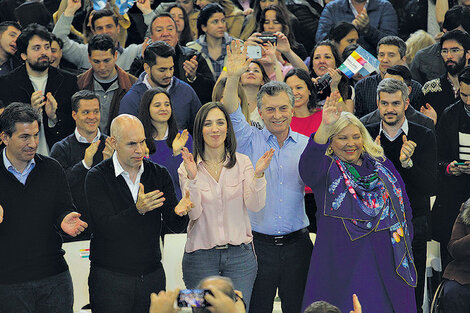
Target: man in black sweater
<point x="126" y="221"/>
<point x="35" y="202"/>
<point x="412" y="149"/>
<point x="80" y="151"/>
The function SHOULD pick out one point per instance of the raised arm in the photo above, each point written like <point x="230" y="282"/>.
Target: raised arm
<point x="284" y="47"/>
<point x="236" y="64"/>
<point x="331" y="113"/>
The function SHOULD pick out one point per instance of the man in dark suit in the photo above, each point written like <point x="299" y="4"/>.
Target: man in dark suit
<point x="46" y="88"/>
<point x="412" y="149"/>
<point x="126" y="221"/>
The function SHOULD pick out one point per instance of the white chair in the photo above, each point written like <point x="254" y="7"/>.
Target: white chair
<point x="77" y="256"/>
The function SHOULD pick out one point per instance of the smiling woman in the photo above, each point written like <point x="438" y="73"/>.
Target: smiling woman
<point x="364" y="225"/>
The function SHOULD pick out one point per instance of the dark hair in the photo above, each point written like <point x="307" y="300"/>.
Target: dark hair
<point x="101" y="42"/>
<point x="146" y="119"/>
<point x="274" y="88"/>
<point x="163" y="14"/>
<point x="59" y="41"/>
<point x="464" y="76"/>
<point x="160" y="49"/>
<point x="82" y="95"/>
<point x="206" y="13"/>
<point x="461" y="37"/>
<point x="341" y="30"/>
<point x="348" y="50"/>
<point x="185" y="36"/>
<point x="2" y="104"/>
<point x="456" y="16"/>
<point x="17" y="112"/>
<point x="29" y="32"/>
<point x="263" y="71"/>
<point x="4" y="26"/>
<point x="257" y="8"/>
<point x="198" y="140"/>
<point x="402" y="71"/>
<point x="334" y="51"/>
<point x="282" y="16"/>
<point x="303" y="75"/>
<point x="103" y="13"/>
<point x="322" y="307"/>
<point x="30" y="12"/>
<point x="393" y="41"/>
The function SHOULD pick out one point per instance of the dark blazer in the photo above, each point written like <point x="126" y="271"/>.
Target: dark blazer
<point x="16" y="86"/>
<point x="420" y="180"/>
<point x="124" y="241"/>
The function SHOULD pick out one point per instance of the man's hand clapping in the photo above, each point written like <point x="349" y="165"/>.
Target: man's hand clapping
<point x="148" y="201"/>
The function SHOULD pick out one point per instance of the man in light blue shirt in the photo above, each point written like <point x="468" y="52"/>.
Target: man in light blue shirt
<point x="280" y="234"/>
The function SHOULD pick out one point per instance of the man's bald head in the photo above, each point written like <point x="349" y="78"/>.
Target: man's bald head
<point x="122" y="123"/>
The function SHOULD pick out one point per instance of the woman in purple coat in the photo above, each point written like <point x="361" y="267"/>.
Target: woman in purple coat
<point x="363" y="243"/>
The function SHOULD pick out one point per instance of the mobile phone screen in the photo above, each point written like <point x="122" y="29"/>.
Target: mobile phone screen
<point x="193" y="298"/>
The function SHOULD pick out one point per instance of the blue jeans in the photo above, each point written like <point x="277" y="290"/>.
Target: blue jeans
<point x="123" y="293"/>
<point x="236" y="262"/>
<point x="48" y="295"/>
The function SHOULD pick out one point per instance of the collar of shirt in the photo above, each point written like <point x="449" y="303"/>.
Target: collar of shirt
<point x="82" y="139"/>
<point x="147" y="83"/>
<point x="118" y="170"/>
<point x="20" y="176"/>
<point x="202" y="41"/>
<point x="269" y="136"/>
<point x="403" y="129"/>
<point x="133" y="186"/>
<point x="353" y="9"/>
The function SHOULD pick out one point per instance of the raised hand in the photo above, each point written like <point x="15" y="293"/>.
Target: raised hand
<point x="335" y="78"/>
<point x="72" y="7"/>
<point x="179" y="142"/>
<point x="356" y="305"/>
<point x="185" y="205"/>
<point x="270" y="52"/>
<point x="253" y="40"/>
<point x="148" y="201"/>
<point x="283" y="44"/>
<point x="90" y="153"/>
<point x="362" y="20"/>
<point x="144" y="6"/>
<point x="108" y="149"/>
<point x="190" y="68"/>
<point x="1" y="214"/>
<point x="407" y="150"/>
<point x="331" y="109"/>
<point x="236" y="63"/>
<point x="220" y="302"/>
<point x="72" y="224"/>
<point x="50" y="107"/>
<point x="189" y="164"/>
<point x="429" y="112"/>
<point x="263" y="162"/>
<point x="377" y="140"/>
<point x="145" y="44"/>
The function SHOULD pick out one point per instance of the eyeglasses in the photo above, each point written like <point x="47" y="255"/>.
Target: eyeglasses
<point x="453" y="51"/>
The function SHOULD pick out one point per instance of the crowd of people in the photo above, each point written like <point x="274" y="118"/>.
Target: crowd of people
<point x="230" y="120"/>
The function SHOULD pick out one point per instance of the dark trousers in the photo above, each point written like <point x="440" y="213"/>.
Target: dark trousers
<point x="284" y="267"/>
<point x="123" y="293"/>
<point x="419" y="246"/>
<point x="455" y="298"/>
<point x="48" y="295"/>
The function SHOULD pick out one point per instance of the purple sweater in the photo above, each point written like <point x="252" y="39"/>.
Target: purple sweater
<point x="340" y="267"/>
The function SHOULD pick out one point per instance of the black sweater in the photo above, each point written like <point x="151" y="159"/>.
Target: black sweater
<point x="29" y="239"/>
<point x="70" y="153"/>
<point x="123" y="240"/>
<point x="420" y="180"/>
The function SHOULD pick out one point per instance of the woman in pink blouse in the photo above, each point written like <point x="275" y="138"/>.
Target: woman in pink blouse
<point x="222" y="185"/>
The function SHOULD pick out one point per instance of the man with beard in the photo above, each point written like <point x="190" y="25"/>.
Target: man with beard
<point x="9" y="32"/>
<point x="46" y="88"/>
<point x="443" y="91"/>
<point x="453" y="157"/>
<point x="159" y="69"/>
<point x="412" y="149"/>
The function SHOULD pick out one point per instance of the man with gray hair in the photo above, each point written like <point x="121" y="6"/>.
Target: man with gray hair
<point x="391" y="50"/>
<point x="280" y="234"/>
<point x="412" y="149"/>
<point x="126" y="220"/>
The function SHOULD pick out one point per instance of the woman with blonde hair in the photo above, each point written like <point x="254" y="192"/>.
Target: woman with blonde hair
<point x="417" y="41"/>
<point x="364" y="230"/>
